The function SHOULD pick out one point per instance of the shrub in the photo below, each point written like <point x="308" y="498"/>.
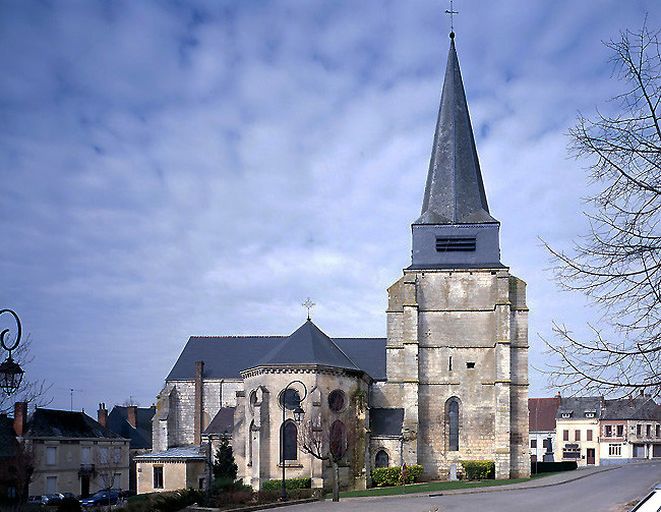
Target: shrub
<point x="479" y="469"/>
<point x="392" y="475"/>
<point x="68" y="505"/>
<point x="551" y="467"/>
<point x="290" y="484"/>
<point x="165" y="501"/>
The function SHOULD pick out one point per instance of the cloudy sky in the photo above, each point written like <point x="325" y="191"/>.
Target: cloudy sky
<point x="178" y="168"/>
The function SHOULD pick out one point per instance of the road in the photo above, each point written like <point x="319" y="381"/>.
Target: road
<point x="607" y="491"/>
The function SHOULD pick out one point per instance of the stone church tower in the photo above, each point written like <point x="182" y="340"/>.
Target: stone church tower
<point x="457" y="337"/>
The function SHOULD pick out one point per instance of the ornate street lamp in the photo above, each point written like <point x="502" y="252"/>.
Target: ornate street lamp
<point x="11" y="373"/>
<point x="299" y="413"/>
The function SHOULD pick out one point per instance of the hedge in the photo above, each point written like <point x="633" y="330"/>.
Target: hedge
<point x="392" y="475"/>
<point x="479" y="469"/>
<point x="164" y="501"/>
<point x="290" y="484"/>
<point x="552" y="467"/>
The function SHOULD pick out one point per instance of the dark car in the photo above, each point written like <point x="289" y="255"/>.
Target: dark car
<point x="51" y="499"/>
<point x="110" y="497"/>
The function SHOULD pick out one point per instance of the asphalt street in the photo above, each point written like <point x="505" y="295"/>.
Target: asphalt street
<point x="607" y="491"/>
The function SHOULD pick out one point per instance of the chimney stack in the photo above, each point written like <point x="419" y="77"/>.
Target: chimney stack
<point x="132" y="415"/>
<point x="197" y="421"/>
<point x="102" y="415"/>
<point x="20" y="417"/>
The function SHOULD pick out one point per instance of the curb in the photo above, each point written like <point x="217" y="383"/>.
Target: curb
<point x="517" y="487"/>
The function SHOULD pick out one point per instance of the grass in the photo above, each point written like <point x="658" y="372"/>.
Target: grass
<point x="429" y="487"/>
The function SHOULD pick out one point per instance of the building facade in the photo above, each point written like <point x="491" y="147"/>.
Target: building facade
<point x="630" y="430"/>
<point x="71" y="452"/>
<point x="449" y="383"/>
<point x="577" y="425"/>
<point x="542" y="413"/>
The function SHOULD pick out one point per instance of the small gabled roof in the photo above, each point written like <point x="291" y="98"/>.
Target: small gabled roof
<point x="222" y="423"/>
<point x="66" y="424"/>
<point x="631" y="409"/>
<point x="178" y="453"/>
<point x="541" y="413"/>
<point x="141" y="435"/>
<point x="454" y="193"/>
<point x="308" y="345"/>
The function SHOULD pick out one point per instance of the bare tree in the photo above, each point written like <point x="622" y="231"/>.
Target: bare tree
<point x="109" y="462"/>
<point x="325" y="443"/>
<point x="33" y="391"/>
<point x="617" y="264"/>
<point x="17" y="470"/>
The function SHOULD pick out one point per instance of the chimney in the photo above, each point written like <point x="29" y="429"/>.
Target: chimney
<point x="20" y="417"/>
<point x="557" y="394"/>
<point x="197" y="422"/>
<point x="132" y="415"/>
<point x="102" y="415"/>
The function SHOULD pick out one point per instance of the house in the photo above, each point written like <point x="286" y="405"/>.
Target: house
<point x="542" y="413"/>
<point x="577" y="430"/>
<point x="133" y="423"/>
<point x="176" y="468"/>
<point x="71" y="452"/>
<point x="448" y="383"/>
<point x="630" y="430"/>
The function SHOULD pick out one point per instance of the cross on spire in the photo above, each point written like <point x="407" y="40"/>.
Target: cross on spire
<point x="308" y="304"/>
<point x="451" y="12"/>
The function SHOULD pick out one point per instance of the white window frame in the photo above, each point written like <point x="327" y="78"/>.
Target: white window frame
<point x="51" y="455"/>
<point x="615" y="450"/>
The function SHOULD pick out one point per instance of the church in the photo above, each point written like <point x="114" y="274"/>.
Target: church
<point x="448" y="383"/>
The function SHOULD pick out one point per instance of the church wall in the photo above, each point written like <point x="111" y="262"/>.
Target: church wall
<point x="319" y="384"/>
<point x="180" y="430"/>
<point x="465" y="315"/>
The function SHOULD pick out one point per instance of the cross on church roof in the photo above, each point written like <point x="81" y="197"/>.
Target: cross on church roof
<point x="309" y="305"/>
<point x="451" y="12"/>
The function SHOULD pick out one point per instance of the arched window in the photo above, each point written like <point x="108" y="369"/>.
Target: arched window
<point x="251" y="433"/>
<point x="290" y="439"/>
<point x="338" y="439"/>
<point x="452" y="408"/>
<point x="381" y="460"/>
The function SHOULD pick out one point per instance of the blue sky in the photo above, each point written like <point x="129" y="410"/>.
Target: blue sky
<point x="199" y="168"/>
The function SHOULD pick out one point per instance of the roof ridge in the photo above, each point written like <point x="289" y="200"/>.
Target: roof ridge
<point x="239" y="336"/>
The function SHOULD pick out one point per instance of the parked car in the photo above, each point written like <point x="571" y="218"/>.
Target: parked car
<point x="108" y="497"/>
<point x="51" y="499"/>
<point x="34" y="500"/>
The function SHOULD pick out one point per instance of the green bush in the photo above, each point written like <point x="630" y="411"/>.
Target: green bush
<point x="382" y="477"/>
<point x="165" y="501"/>
<point x="479" y="469"/>
<point x="68" y="505"/>
<point x="552" y="467"/>
<point x="290" y="484"/>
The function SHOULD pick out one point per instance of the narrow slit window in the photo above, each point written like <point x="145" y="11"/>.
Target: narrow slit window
<point x="455" y="244"/>
<point x="450" y="363"/>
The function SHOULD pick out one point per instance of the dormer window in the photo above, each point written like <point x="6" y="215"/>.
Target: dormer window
<point x="565" y="415"/>
<point x="455" y="244"/>
<point x="590" y="414"/>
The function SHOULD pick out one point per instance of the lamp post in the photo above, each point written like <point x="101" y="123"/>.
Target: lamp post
<point x="299" y="413"/>
<point x="11" y="373"/>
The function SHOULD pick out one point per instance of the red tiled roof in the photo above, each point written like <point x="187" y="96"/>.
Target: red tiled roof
<point x="542" y="413"/>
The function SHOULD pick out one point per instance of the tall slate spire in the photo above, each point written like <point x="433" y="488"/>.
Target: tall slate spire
<point x="454" y="193"/>
<point x="455" y="229"/>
